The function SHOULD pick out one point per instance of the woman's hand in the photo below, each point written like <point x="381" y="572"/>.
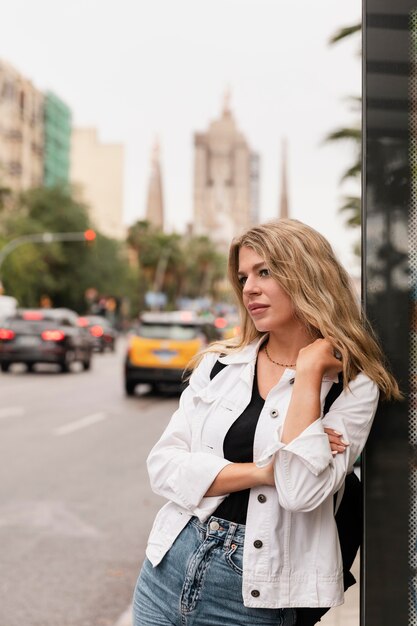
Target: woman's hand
<point x="337" y="444"/>
<point x="319" y="357"/>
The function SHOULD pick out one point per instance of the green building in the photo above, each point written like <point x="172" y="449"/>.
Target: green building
<point x="57" y="129"/>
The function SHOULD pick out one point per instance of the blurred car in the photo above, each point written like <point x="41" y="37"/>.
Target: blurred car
<point x="44" y="336"/>
<point x="102" y="332"/>
<point x="161" y="348"/>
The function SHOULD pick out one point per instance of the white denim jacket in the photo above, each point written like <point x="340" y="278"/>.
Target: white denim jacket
<point x="299" y="563"/>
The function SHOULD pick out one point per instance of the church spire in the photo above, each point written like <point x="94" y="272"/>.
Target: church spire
<point x="283" y="201"/>
<point x="226" y="101"/>
<point x="155" y="200"/>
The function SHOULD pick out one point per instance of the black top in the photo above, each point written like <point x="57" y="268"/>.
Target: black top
<point x="238" y="448"/>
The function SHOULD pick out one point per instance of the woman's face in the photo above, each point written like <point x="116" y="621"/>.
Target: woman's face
<point x="269" y="306"/>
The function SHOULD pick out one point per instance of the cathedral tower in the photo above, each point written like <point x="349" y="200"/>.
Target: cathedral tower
<point x="226" y="174"/>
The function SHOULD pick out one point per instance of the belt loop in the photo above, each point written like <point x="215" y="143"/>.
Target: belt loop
<point x="207" y="524"/>
<point x="230" y="534"/>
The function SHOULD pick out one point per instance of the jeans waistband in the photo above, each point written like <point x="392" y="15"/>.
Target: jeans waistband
<point x="221" y="529"/>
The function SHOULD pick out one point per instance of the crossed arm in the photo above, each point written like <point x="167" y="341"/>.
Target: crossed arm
<point x="303" y="410"/>
<point x="303" y="467"/>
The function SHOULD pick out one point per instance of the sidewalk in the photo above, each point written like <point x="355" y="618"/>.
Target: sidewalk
<point x="345" y="615"/>
<point x="348" y="613"/>
<point x="126" y="618"/>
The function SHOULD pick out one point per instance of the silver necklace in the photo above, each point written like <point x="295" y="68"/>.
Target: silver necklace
<point x="276" y="362"/>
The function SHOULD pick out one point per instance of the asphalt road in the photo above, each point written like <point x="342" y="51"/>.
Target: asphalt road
<point x="75" y="504"/>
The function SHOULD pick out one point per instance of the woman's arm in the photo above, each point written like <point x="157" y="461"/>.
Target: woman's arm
<point x="175" y="472"/>
<point x="239" y="476"/>
<point x="306" y="471"/>
<point x="304" y="409"/>
<point x="313" y="362"/>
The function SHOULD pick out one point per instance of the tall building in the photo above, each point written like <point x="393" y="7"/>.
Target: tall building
<point x="283" y="199"/>
<point x="57" y="140"/>
<point x="226" y="180"/>
<point x="155" y="199"/>
<point x="21" y="130"/>
<point x="97" y="168"/>
<point x="255" y="172"/>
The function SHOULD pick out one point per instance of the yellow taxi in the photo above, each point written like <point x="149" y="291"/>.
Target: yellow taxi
<point x="162" y="346"/>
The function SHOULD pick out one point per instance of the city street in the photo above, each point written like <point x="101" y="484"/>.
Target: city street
<point x="75" y="505"/>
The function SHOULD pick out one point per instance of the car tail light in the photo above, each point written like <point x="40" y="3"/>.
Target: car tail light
<point x="32" y="316"/>
<point x="53" y="335"/>
<point x="96" y="331"/>
<point x="220" y="322"/>
<point x="82" y="321"/>
<point x="6" y="334"/>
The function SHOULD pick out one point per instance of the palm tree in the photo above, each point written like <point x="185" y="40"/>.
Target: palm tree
<point x="179" y="266"/>
<point x="345" y="31"/>
<point x="351" y="204"/>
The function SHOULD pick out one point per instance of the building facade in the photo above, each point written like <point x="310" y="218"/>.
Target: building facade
<point x="57" y="140"/>
<point x="226" y="181"/>
<point x="97" y="169"/>
<point x="155" y="197"/>
<point x="21" y="131"/>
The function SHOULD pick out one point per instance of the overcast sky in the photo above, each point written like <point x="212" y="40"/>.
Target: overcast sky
<point x="135" y="69"/>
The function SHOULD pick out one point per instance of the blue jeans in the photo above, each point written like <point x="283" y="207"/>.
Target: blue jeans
<point x="199" y="582"/>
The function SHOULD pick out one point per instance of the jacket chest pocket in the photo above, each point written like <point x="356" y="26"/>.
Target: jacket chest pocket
<point x="213" y="420"/>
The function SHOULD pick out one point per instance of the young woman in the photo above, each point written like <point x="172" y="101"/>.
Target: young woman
<point x="248" y="463"/>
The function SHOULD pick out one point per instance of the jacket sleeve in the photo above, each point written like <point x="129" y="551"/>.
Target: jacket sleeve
<point x="306" y="472"/>
<point x="175" y="472"/>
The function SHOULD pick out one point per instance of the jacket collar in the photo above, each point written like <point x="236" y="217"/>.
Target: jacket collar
<point x="249" y="353"/>
<point x="246" y="354"/>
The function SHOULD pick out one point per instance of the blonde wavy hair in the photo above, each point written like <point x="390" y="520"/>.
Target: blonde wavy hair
<point x="302" y="261"/>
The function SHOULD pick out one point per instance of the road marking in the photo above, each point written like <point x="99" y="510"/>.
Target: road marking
<point x="82" y="423"/>
<point x="12" y="411"/>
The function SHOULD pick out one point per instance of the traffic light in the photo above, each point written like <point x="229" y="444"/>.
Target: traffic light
<point x="89" y="235"/>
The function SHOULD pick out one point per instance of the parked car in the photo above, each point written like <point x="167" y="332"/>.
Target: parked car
<point x="161" y="348"/>
<point x="102" y="332"/>
<point x="33" y="336"/>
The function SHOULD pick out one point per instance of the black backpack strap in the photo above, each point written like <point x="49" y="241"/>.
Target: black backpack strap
<point x="348" y="520"/>
<point x="217" y="367"/>
<point x="335" y="391"/>
<point x="349" y="514"/>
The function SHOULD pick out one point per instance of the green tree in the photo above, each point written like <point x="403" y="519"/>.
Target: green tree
<point x="160" y="260"/>
<point x="63" y="271"/>
<point x="205" y="268"/>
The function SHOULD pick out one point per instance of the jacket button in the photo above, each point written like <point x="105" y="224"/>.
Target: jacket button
<point x="258" y="543"/>
<point x="273" y="413"/>
<point x="255" y="593"/>
<point x="261" y="498"/>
